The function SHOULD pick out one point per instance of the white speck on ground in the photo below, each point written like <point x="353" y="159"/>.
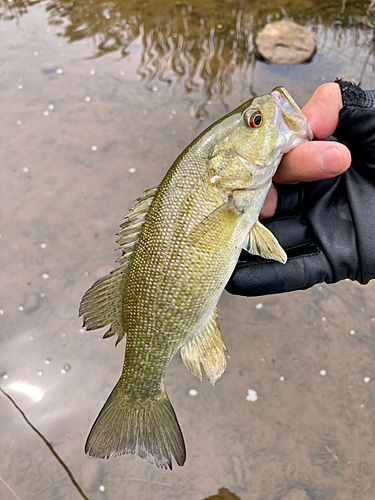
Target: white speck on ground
<point x="251" y="395"/>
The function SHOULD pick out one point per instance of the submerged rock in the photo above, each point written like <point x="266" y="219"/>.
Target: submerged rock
<point x="284" y="42"/>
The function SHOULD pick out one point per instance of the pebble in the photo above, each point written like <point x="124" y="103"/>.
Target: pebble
<point x="193" y="392"/>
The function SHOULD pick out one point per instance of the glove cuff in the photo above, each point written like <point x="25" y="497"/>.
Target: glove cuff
<point x="353" y="95"/>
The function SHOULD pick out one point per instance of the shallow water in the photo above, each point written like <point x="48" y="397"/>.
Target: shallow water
<point x="97" y="100"/>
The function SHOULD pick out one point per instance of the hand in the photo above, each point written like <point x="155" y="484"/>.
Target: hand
<point x="324" y="216"/>
<point x="313" y="161"/>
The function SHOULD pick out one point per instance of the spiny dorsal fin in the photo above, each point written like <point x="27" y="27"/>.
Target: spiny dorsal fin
<point x="260" y="241"/>
<point x="206" y="347"/>
<point x="133" y="225"/>
<point x="103" y="303"/>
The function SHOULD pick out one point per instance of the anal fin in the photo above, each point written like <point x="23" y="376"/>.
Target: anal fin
<point x="207" y="348"/>
<point x="260" y="241"/>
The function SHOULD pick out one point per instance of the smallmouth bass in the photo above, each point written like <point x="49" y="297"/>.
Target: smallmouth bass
<point x="180" y="244"/>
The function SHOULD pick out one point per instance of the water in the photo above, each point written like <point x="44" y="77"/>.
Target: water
<point x="97" y="100"/>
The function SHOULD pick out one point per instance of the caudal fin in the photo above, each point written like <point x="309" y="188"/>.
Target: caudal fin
<point x="150" y="431"/>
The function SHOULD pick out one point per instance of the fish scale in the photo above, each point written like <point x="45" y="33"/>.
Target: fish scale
<point x="180" y="244"/>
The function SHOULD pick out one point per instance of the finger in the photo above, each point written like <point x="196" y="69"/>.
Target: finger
<point x="313" y="161"/>
<point x="322" y="110"/>
<point x="270" y="204"/>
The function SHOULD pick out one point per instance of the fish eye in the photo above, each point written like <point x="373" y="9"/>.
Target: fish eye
<point x="253" y="119"/>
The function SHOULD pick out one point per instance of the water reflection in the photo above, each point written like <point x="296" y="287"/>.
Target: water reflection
<point x="199" y="45"/>
<point x="32" y="391"/>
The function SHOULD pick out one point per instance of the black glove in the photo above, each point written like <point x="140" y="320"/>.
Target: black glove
<point x="327" y="228"/>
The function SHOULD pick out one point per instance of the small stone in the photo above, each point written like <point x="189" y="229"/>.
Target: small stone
<point x="352" y="332"/>
<point x="282" y="378"/>
<point x="323" y="373"/>
<point x="94" y="148"/>
<point x="366" y="380"/>
<point x="45" y="276"/>
<point x="25" y="169"/>
<point x="87" y="98"/>
<point x="193" y="392"/>
<point x="101" y="488"/>
<point x="285" y="42"/>
<point x="259" y="306"/>
<point x="132" y="170"/>
<point x="59" y="71"/>
<point x="92" y="72"/>
<point x="51" y="107"/>
<point x="43" y="245"/>
<point x="4" y="375"/>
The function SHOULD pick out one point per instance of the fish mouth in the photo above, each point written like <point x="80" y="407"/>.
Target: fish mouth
<point x="289" y="117"/>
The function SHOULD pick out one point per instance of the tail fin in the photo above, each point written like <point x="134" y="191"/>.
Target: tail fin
<point x="150" y="431"/>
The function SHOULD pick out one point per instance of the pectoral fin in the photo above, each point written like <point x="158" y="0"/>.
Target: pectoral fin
<point x="220" y="223"/>
<point x="260" y="241"/>
<point x="206" y="347"/>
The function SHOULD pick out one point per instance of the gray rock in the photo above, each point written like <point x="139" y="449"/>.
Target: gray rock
<point x="284" y="42"/>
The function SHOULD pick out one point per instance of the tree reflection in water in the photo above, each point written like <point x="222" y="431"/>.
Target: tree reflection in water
<point x="199" y="45"/>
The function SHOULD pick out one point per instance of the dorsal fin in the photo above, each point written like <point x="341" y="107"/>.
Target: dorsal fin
<point x="133" y="224"/>
<point x="103" y="303"/>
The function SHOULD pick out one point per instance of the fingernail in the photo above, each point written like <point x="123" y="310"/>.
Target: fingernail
<point x="331" y="160"/>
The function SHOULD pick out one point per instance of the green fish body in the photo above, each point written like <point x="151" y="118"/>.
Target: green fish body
<point x="180" y="244"/>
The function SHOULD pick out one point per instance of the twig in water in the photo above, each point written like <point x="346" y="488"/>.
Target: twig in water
<point x="71" y="477"/>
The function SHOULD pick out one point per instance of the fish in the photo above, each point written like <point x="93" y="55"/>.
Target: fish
<point x="180" y="243"/>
